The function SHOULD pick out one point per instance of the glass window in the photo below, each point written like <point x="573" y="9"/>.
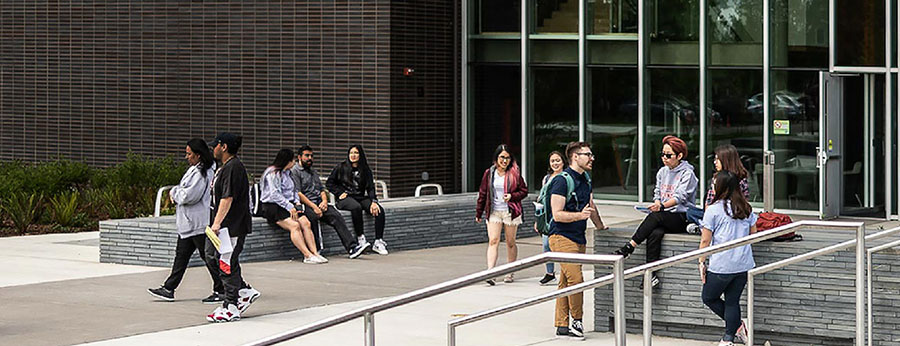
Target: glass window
<point x="612" y="17"/>
<point x="735" y="117"/>
<point x="556" y="16"/>
<point x="495" y="50"/>
<point x="795" y="97"/>
<point x="673" y="110"/>
<point x="616" y="52"/>
<point x="859" y="33"/>
<point x="799" y="33"/>
<point x="674" y="32"/>
<point x="554" y="51"/>
<point x="555" y="115"/>
<point x="612" y="131"/>
<point x="496" y="116"/>
<point x="735" y="32"/>
<point x="498" y="17"/>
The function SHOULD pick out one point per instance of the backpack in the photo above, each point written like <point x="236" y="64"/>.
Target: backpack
<point x="770" y="220"/>
<point x="542" y="212"/>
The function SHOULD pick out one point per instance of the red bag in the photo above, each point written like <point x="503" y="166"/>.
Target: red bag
<point x="769" y="220"/>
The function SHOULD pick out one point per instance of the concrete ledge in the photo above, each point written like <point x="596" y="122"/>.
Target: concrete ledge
<point x="411" y="223"/>
<point x="812" y="302"/>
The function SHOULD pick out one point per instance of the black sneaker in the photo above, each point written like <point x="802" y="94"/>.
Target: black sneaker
<point x="566" y="332"/>
<point x="577" y="328"/>
<point x="625" y="250"/>
<point x="162" y="293"/>
<point x="548" y="278"/>
<point x="214" y="298"/>
<point x="654" y="282"/>
<point x="359" y="249"/>
<point x="490" y="282"/>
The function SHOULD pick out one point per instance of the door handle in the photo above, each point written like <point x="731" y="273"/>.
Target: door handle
<point x="823" y="157"/>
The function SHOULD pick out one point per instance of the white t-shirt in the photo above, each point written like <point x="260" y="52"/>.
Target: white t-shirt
<point x="498" y="203"/>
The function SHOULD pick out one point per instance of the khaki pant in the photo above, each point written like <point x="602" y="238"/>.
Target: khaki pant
<point x="569" y="275"/>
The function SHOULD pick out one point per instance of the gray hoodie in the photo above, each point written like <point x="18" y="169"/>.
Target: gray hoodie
<point x="192" y="197"/>
<point x="679" y="183"/>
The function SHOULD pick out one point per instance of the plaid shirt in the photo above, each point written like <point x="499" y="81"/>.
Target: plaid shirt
<point x="745" y="188"/>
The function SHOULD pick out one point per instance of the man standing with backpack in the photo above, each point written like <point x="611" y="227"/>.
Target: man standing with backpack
<point x="571" y="204"/>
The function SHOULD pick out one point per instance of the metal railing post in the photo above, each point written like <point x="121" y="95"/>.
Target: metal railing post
<point x="750" y="298"/>
<point x="157" y="207"/>
<point x="648" y="307"/>
<point x="871" y="268"/>
<point x="451" y="335"/>
<point x="619" y="300"/>
<point x="869" y="295"/>
<point x="860" y="285"/>
<point x="369" y="319"/>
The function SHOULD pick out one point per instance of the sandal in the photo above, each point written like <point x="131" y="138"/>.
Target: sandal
<point x="508" y="278"/>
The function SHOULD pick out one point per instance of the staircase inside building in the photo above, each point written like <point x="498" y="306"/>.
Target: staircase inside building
<point x="561" y="16"/>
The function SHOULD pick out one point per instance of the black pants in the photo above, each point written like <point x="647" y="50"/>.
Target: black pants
<point x="183" y="252"/>
<point x="232" y="282"/>
<point x="654" y="227"/>
<point x="333" y="218"/>
<point x="356" y="205"/>
<point x="732" y="285"/>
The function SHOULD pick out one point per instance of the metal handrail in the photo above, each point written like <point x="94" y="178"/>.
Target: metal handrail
<point x="440" y="190"/>
<point x="367" y="312"/>
<point x="159" y="193"/>
<point x="869" y="292"/>
<point x="649" y="268"/>
<point x="384" y="188"/>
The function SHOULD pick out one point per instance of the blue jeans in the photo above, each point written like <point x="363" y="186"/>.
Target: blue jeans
<point x="694" y="215"/>
<point x="732" y="285"/>
<point x="546" y="240"/>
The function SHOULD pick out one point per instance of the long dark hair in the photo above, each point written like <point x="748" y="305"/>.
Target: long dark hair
<point x="563" y="157"/>
<point x="728" y="189"/>
<point x="365" y="173"/>
<point x="500" y="149"/>
<point x="282" y="159"/>
<point x="731" y="161"/>
<point x="199" y="147"/>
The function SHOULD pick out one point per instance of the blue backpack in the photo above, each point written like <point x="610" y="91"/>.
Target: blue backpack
<point x="542" y="212"/>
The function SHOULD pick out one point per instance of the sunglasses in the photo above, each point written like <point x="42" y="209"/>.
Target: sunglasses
<point x="667" y="155"/>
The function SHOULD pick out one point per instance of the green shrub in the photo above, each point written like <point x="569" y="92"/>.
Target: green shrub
<point x="48" y="178"/>
<point x="113" y="203"/>
<point x="141" y="171"/>
<point x="63" y="208"/>
<point x="23" y="209"/>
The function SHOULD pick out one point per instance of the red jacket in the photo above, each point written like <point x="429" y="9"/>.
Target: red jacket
<point x="514" y="185"/>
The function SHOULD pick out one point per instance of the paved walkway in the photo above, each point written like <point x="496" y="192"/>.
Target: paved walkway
<point x="55" y="292"/>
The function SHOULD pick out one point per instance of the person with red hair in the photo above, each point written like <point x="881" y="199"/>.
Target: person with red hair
<point x="675" y="192"/>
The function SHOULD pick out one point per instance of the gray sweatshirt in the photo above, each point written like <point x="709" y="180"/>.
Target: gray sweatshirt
<point x="192" y="197"/>
<point x="679" y="183"/>
<point x="277" y="187"/>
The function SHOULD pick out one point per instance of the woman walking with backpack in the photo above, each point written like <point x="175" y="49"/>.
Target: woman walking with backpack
<point x="557" y="164"/>
<point x="727" y="218"/>
<point x="500" y="201"/>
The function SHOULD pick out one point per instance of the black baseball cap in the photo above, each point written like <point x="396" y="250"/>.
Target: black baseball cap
<point x="227" y="138"/>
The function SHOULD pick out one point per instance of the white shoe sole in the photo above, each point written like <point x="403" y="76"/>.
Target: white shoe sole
<point x="361" y="251"/>
<point x="253" y="299"/>
<point x="160" y="297"/>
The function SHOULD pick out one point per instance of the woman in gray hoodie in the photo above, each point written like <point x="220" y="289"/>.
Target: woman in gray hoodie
<point x="675" y="192"/>
<point x="192" y="200"/>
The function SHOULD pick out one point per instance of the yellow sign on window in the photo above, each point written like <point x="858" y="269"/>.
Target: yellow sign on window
<point x="781" y="127"/>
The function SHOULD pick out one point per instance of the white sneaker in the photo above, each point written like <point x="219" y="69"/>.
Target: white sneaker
<point x="380" y="247"/>
<point x="211" y="317"/>
<point x="742" y="332"/>
<point x="692" y="228"/>
<point x="726" y="343"/>
<point x="229" y="314"/>
<point x="312" y="260"/>
<point x="247" y="296"/>
<point x="322" y="259"/>
<point x="361" y="239"/>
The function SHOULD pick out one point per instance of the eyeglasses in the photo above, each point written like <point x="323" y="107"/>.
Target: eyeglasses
<point x="504" y="158"/>
<point x="590" y="155"/>
<point x="667" y="155"/>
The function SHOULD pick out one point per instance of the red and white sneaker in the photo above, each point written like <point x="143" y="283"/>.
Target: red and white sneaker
<point x="211" y="317"/>
<point x="246" y="296"/>
<point x="229" y="314"/>
<point x="742" y="332"/>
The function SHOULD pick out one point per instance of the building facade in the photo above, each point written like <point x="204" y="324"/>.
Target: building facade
<point x="805" y="89"/>
<point x="93" y="80"/>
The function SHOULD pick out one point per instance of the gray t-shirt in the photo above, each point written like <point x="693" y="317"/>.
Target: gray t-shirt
<point x="306" y="181"/>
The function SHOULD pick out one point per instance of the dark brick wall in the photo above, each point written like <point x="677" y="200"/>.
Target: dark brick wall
<point x="92" y="80"/>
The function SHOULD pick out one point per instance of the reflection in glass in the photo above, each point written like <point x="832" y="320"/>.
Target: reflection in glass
<point x="555" y="115"/>
<point x="556" y="16"/>
<point x="736" y="118"/>
<point x="799" y="33"/>
<point x="735" y="32"/>
<point x="612" y="16"/>
<point x="554" y="51"/>
<point x="795" y="97"/>
<point x="612" y="131"/>
<point x="674" y="32"/>
<point x="859" y="32"/>
<point x="498" y="17"/>
<point x="496" y="112"/>
<point x="673" y="110"/>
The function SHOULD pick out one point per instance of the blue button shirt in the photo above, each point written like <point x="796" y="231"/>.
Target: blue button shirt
<point x="725" y="229"/>
<point x="572" y="230"/>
